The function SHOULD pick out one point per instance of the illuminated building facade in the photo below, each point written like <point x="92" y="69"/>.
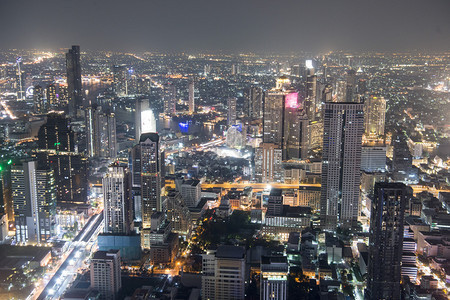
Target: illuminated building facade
<point x="74" y="84"/>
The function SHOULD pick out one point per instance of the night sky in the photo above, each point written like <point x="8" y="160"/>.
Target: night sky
<point x="230" y="25"/>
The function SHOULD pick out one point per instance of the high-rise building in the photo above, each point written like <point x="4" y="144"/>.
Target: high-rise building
<point x="151" y="180"/>
<point x="351" y="86"/>
<point x="56" y="150"/>
<point x="106" y="274"/>
<point x="170" y="100"/>
<point x="163" y="243"/>
<point x="273" y="116"/>
<point x="178" y="213"/>
<point x="74" y="84"/>
<point x="327" y="93"/>
<point x="231" y="116"/>
<point x="311" y="94"/>
<point x="120" y="82"/>
<point x="101" y="133"/>
<point x="386" y="241"/>
<point x="340" y="90"/>
<point x="402" y="167"/>
<point x="295" y="138"/>
<point x="118" y="202"/>
<point x="373" y="157"/>
<point x="191" y="102"/>
<point x="341" y="163"/>
<point x="275" y="202"/>
<point x="223" y="273"/>
<point x="274" y="274"/>
<point x="191" y="192"/>
<point x="38" y="99"/>
<point x="374" y="116"/>
<point x="268" y="167"/>
<point x="253" y="102"/>
<point x="51" y="95"/>
<point x="34" y="198"/>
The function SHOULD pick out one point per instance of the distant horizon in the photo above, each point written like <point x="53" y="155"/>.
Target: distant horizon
<point x="232" y="25"/>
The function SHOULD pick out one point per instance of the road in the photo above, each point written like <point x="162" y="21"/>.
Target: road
<point x="72" y="260"/>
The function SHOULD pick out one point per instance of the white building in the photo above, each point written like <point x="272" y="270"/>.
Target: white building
<point x="274" y="273"/>
<point x="106" y="273"/>
<point x="223" y="273"/>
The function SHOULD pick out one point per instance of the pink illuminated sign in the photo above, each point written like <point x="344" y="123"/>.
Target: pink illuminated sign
<point x="291" y="100"/>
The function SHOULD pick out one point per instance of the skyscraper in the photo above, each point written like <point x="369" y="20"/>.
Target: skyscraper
<point x="106" y="273"/>
<point x="274" y="274"/>
<point x="34" y="198"/>
<point x="402" y="168"/>
<point x="120" y="83"/>
<point x="101" y="133"/>
<point x="342" y="138"/>
<point x="253" y="102"/>
<point x="191" y="97"/>
<point x="311" y="94"/>
<point x="231" y="117"/>
<point x="150" y="176"/>
<point x="38" y="99"/>
<point x="56" y="150"/>
<point x="386" y="241"/>
<point x="374" y="116"/>
<point x="170" y="100"/>
<point x="351" y="86"/>
<point x="51" y="96"/>
<point x="273" y="117"/>
<point x="74" y="84"/>
<point x="118" y="202"/>
<point x="295" y="139"/>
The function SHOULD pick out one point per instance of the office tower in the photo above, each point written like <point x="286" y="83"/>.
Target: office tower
<point x="101" y="133"/>
<point x="118" y="202"/>
<point x="56" y="150"/>
<point x="191" y="192"/>
<point x="74" y="84"/>
<point x="327" y="93"/>
<point x="351" y="86"/>
<point x="21" y="79"/>
<point x="38" y="99"/>
<point x="340" y="91"/>
<point x="275" y="202"/>
<point x="274" y="273"/>
<point x="374" y="116"/>
<point x="341" y="163"/>
<point x="231" y="116"/>
<point x="63" y="99"/>
<point x="268" y="168"/>
<point x="51" y="96"/>
<point x="191" y="97"/>
<point x="373" y="157"/>
<point x="386" y="240"/>
<point x="273" y="117"/>
<point x="178" y="213"/>
<point x="223" y="273"/>
<point x="163" y="243"/>
<point x="150" y="176"/>
<point x="34" y="198"/>
<point x="311" y="93"/>
<point x="120" y="83"/>
<point x="295" y="138"/>
<point x="106" y="274"/>
<point x="253" y="102"/>
<point x="170" y="100"/>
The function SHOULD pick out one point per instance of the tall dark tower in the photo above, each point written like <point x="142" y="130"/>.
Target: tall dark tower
<point x="386" y="240"/>
<point x="74" y="85"/>
<point x="341" y="163"/>
<point x="56" y="151"/>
